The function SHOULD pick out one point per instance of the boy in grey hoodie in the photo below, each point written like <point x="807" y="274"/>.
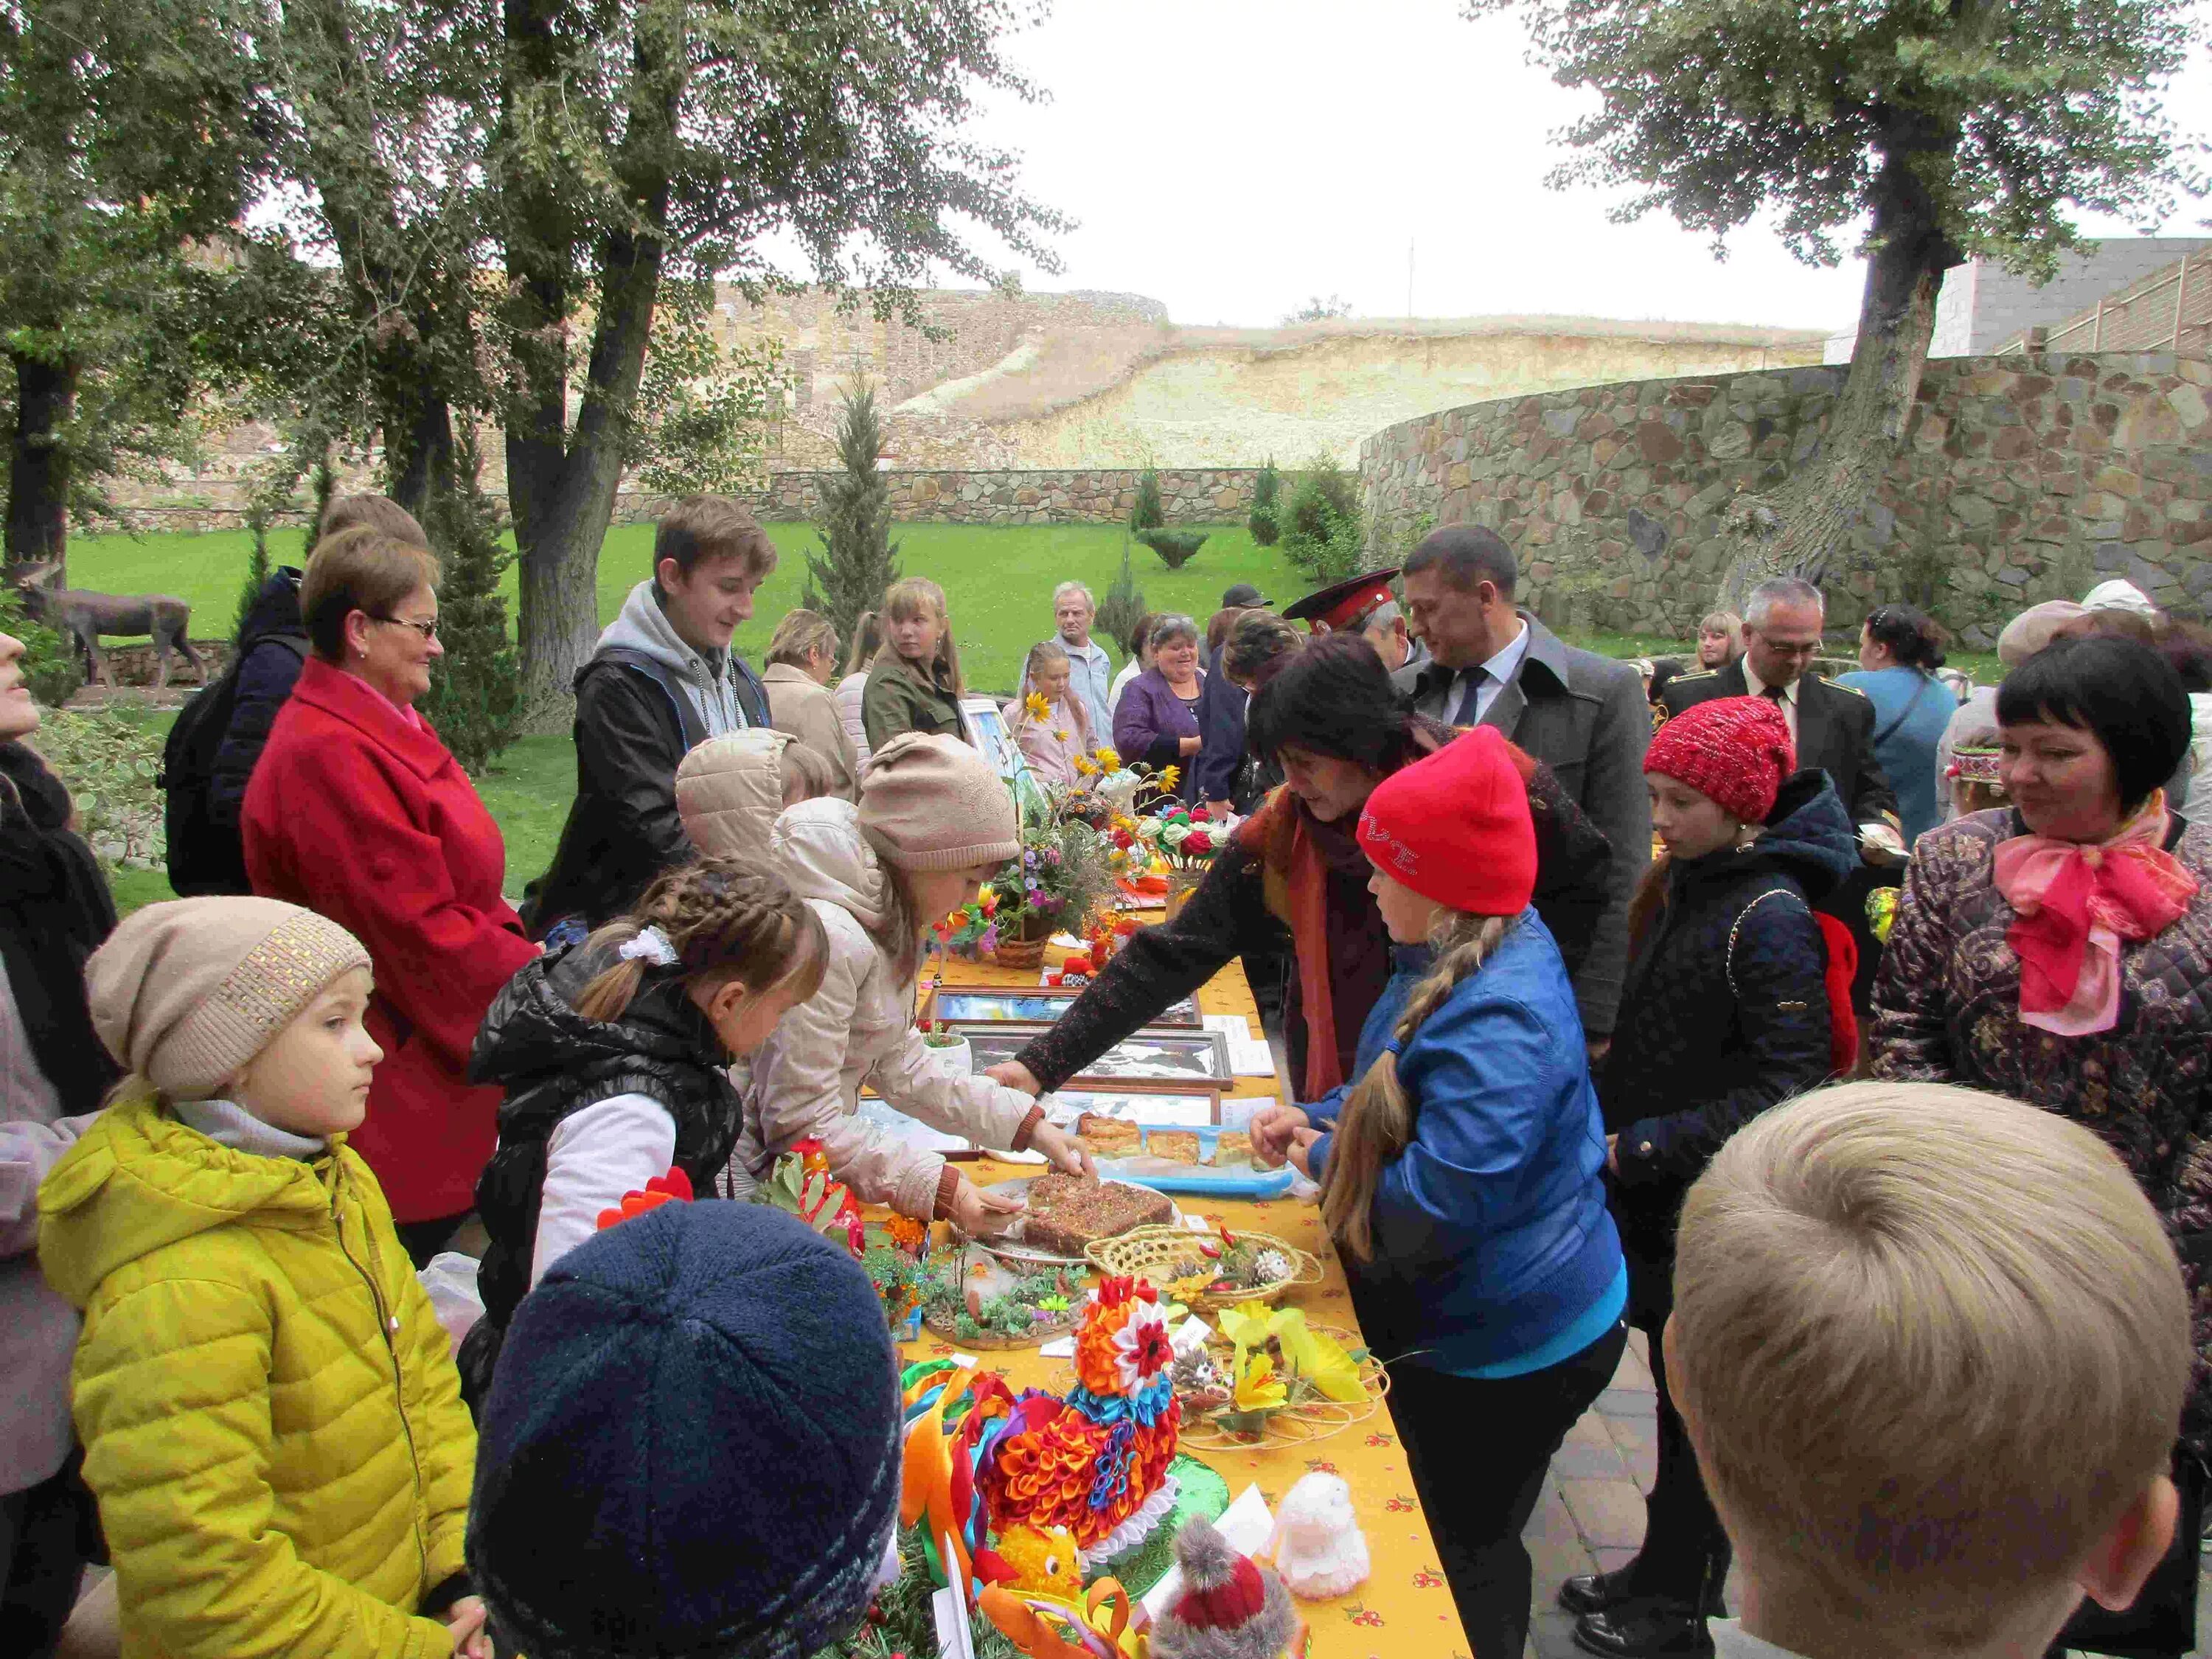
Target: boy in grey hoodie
<point x="663" y="679"/>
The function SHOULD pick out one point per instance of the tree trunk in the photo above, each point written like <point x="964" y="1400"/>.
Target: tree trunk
<point x="1802" y="527"/>
<point x="38" y="464"/>
<point x="561" y="482"/>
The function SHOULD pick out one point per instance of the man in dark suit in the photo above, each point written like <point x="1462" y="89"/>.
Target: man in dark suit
<point x="1833" y="726"/>
<point x="1582" y="715"/>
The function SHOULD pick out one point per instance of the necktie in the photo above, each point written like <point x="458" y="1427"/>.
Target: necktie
<point x="1467" y="713"/>
<point x="1773" y="692"/>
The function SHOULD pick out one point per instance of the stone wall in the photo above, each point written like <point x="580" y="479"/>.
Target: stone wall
<point x="2022" y="479"/>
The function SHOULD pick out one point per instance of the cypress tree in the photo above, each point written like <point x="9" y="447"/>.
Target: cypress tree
<point x="858" y="560"/>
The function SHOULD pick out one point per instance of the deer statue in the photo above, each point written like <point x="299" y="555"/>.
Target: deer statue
<point x="86" y="617"/>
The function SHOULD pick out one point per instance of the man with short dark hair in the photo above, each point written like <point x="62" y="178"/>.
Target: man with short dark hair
<point x="663" y="680"/>
<point x="1582" y="715"/>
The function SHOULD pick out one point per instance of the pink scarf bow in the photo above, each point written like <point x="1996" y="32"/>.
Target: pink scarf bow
<point x="2075" y="904"/>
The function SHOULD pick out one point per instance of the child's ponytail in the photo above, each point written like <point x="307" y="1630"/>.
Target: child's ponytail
<point x="713" y="921"/>
<point x="1376" y="1124"/>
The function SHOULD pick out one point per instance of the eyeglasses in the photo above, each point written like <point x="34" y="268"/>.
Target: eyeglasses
<point x="429" y="630"/>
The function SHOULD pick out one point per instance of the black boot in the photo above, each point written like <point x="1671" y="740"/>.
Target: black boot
<point x="1594" y="1592"/>
<point x="1644" y="1630"/>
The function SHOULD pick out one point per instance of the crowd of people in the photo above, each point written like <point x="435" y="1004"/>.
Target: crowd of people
<point x="1575" y="964"/>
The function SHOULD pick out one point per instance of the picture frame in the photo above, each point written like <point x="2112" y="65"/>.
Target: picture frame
<point x="1174" y="1061"/>
<point x="984" y="724"/>
<point x="1041" y="1004"/>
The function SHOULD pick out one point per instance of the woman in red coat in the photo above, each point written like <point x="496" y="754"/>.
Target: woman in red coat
<point x="357" y="810"/>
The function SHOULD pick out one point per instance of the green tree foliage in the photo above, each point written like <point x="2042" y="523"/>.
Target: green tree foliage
<point x="257" y="570"/>
<point x="858" y="560"/>
<point x="1323" y="533"/>
<point x="1146" y="513"/>
<point x="1266" y="521"/>
<point x="1122" y="608"/>
<point x="1950" y="131"/>
<point x="1174" y="547"/>
<point x="132" y="136"/>
<point x="475" y="698"/>
<point x="50" y="667"/>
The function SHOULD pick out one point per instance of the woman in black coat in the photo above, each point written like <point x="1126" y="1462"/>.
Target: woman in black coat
<point x="1724" y="1012"/>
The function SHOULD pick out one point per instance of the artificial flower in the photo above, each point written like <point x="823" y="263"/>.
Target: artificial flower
<point x="1319" y="1358"/>
<point x="1249" y="1324"/>
<point x="1257" y="1388"/>
<point x="1173" y="836"/>
<point x="1053" y="1304"/>
<point x="1198" y="841"/>
<point x="988" y="899"/>
<point x="1142" y="1348"/>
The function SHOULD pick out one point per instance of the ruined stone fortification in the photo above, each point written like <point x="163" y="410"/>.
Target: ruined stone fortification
<point x="1000" y="381"/>
<point x="2021" y="478"/>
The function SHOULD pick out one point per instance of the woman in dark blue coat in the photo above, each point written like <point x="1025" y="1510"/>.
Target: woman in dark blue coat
<point x="1725" y="1012"/>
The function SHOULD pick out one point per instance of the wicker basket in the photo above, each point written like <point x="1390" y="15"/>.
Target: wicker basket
<point x="1303" y="1424"/>
<point x="1181" y="884"/>
<point x="1148" y="1252"/>
<point x="1021" y="954"/>
<point x="993" y="1341"/>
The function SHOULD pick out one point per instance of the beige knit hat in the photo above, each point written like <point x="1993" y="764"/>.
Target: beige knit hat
<point x="183" y="994"/>
<point x="931" y="802"/>
<point x="2034" y="628"/>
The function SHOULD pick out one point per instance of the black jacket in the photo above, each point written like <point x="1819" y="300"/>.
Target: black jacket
<point x="1725" y="1012"/>
<point x="633" y="729"/>
<point x="268" y="669"/>
<point x="55" y="912"/>
<point x="1835" y="733"/>
<point x="1585" y="717"/>
<point x="553" y="1062"/>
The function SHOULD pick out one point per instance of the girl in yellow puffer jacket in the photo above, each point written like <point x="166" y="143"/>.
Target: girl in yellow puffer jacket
<point x="272" y="1419"/>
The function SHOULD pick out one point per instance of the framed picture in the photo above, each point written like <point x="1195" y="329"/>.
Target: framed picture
<point x="1155" y="1057"/>
<point x="985" y="723"/>
<point x="1040" y="1007"/>
<point x="1176" y="1110"/>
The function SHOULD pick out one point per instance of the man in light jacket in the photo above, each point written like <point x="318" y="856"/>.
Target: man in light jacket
<point x="1090" y="670"/>
<point x="1582" y="715"/>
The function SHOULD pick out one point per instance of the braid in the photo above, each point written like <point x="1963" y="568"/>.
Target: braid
<point x="1377" y="1121"/>
<point x="725" y="920"/>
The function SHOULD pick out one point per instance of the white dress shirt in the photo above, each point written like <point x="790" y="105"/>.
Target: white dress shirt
<point x="1472" y="701"/>
<point x="1788" y="699"/>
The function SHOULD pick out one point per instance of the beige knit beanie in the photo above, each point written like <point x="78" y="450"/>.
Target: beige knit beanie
<point x="932" y="803"/>
<point x="183" y="994"/>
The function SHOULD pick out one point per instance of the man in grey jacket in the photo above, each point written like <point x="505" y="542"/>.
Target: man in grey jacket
<point x="663" y="680"/>
<point x="1582" y="715"/>
<point x="1090" y="670"/>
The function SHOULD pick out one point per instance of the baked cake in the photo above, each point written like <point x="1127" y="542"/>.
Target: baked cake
<point x="1069" y="1212"/>
<point x="1233" y="1146"/>
<point x="1107" y="1137"/>
<point x="1176" y="1145"/>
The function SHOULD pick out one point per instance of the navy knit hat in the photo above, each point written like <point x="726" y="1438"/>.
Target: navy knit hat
<point x="692" y="1445"/>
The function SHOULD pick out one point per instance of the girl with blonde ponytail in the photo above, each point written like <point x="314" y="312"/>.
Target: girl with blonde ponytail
<point x="613" y="1054"/>
<point x="1461" y="1173"/>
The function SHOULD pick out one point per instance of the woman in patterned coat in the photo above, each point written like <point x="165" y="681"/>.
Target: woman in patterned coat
<point x="2060" y="951"/>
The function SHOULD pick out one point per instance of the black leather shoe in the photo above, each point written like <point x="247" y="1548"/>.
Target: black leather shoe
<point x="1644" y="1629"/>
<point x="1594" y="1592"/>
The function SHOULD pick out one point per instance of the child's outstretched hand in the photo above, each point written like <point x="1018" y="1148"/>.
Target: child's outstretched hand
<point x="465" y="1623"/>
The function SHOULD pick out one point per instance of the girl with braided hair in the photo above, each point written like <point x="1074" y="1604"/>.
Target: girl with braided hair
<point x="613" y="1055"/>
<point x="1460" y="1174"/>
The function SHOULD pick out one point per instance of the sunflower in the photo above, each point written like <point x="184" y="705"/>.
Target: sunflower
<point x="1170" y="776"/>
<point x="1085" y="767"/>
<point x="1108" y="762"/>
<point x="1038" y="708"/>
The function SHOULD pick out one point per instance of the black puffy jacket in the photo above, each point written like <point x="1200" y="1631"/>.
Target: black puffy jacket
<point x="1724" y="1012"/>
<point x="268" y="669"/>
<point x="553" y="1063"/>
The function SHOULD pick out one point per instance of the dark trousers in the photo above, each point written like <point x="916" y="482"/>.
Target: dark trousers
<point x="1686" y="1555"/>
<point x="46" y="1536"/>
<point x="1479" y="1448"/>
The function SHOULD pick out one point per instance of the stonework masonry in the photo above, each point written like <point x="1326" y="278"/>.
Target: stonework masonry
<point x="2022" y="479"/>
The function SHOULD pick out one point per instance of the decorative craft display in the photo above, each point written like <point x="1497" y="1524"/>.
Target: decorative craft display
<point x="891" y="1248"/>
<point x="1288" y="1382"/>
<point x="1209" y="1271"/>
<point x="1318" y="1547"/>
<point x="1095" y="1462"/>
<point x="1230" y="1607"/>
<point x="1102" y="1622"/>
<point x="974" y="1302"/>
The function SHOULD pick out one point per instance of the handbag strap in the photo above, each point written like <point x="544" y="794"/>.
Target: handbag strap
<point x="1884" y="733"/>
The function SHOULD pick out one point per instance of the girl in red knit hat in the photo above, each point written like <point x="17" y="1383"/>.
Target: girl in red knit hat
<point x="1724" y="1012"/>
<point x="1461" y="1173"/>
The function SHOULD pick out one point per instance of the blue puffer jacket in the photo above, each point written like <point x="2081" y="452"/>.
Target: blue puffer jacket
<point x="1492" y="1235"/>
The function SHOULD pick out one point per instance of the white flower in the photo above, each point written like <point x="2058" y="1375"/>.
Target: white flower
<point x="1174" y="834"/>
<point x="1142" y="1348"/>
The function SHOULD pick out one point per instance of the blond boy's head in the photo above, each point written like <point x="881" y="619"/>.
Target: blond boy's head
<point x="1931" y="1346"/>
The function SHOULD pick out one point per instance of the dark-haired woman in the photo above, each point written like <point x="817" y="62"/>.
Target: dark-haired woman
<point x="1899" y="655"/>
<point x="1329" y="718"/>
<point x="2060" y="951"/>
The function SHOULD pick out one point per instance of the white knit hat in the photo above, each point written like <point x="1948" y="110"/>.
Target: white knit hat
<point x="931" y="802"/>
<point x="186" y="994"/>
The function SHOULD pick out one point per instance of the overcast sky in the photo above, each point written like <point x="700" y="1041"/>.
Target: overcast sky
<point x="1234" y="157"/>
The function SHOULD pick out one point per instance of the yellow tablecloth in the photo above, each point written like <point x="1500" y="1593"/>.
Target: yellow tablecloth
<point x="1405" y="1610"/>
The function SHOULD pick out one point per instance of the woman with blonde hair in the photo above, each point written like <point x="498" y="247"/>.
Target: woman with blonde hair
<point x="1719" y="639"/>
<point x="1461" y="1175"/>
<point x="802" y="655"/>
<point x="913" y="684"/>
<point x="1047" y="721"/>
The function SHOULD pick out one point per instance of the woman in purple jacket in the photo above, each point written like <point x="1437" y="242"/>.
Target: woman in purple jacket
<point x="1155" y="723"/>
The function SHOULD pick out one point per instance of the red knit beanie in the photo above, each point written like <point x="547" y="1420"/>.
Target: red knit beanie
<point x="1455" y="828"/>
<point x="1735" y="751"/>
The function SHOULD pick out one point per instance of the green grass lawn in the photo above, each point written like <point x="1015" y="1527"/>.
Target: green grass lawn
<point x="998" y="579"/>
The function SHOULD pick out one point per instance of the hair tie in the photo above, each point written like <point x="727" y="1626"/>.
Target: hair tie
<point x="651" y="946"/>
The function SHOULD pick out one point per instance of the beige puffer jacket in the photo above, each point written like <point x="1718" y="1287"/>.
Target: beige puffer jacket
<point x="858" y="1028"/>
<point x="729" y="791"/>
